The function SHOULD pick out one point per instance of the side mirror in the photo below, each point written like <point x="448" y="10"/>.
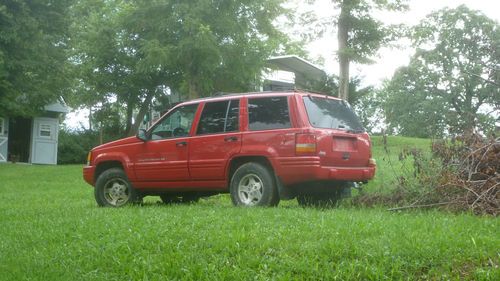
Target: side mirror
<point x="141" y="134"/>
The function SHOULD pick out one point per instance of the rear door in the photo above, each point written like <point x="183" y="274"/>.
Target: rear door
<point x="341" y="138"/>
<point x="217" y="139"/>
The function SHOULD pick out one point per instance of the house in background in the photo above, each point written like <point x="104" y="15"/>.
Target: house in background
<point x="290" y="72"/>
<point x="31" y="140"/>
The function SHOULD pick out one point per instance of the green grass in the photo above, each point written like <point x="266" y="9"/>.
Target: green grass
<point x="389" y="166"/>
<point x="51" y="229"/>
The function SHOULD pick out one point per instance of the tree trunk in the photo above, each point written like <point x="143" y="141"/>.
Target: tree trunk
<point x="128" y="116"/>
<point x="90" y="118"/>
<point x="140" y="116"/>
<point x="342" y="37"/>
<point x="192" y="93"/>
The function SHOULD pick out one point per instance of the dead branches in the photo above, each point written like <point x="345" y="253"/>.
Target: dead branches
<point x="472" y="173"/>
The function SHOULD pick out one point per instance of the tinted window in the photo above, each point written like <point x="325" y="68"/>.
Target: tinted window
<point x="233" y="116"/>
<point x="331" y="114"/>
<point x="219" y="117"/>
<point x="176" y="124"/>
<point x="268" y="113"/>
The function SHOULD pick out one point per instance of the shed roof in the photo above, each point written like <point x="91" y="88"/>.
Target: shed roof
<point x="59" y="107"/>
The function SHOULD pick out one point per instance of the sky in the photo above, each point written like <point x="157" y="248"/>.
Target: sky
<point x="389" y="59"/>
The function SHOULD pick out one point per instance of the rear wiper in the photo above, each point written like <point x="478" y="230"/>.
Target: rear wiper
<point x="356" y="131"/>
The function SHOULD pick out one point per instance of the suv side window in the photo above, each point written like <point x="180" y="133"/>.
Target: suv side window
<point x="176" y="124"/>
<point x="268" y="113"/>
<point x="219" y="117"/>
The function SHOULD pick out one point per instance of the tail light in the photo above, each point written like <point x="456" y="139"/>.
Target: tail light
<point x="305" y="144"/>
<point x="372" y="162"/>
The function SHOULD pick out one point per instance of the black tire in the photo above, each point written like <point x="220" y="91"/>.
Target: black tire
<point x="178" y="199"/>
<point x="253" y="184"/>
<point x="113" y="189"/>
<point x="322" y="200"/>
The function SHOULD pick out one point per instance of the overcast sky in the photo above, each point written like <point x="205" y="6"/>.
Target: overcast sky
<point x="390" y="59"/>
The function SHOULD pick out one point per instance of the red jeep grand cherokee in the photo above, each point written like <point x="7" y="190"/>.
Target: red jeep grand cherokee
<point x="259" y="147"/>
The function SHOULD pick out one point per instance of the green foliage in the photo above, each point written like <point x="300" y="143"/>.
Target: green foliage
<point x="329" y="86"/>
<point x="451" y="76"/>
<point x="132" y="51"/>
<point x="33" y="58"/>
<point x="51" y="229"/>
<point x="360" y="35"/>
<point x="386" y="152"/>
<point x="73" y="146"/>
<point x="366" y="34"/>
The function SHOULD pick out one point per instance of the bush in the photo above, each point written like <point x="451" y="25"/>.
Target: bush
<point x="74" y="146"/>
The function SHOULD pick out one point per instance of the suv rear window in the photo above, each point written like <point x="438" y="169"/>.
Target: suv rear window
<point x="268" y="113"/>
<point x="332" y="114"/>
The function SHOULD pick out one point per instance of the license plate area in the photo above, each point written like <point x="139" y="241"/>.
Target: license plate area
<point x="344" y="144"/>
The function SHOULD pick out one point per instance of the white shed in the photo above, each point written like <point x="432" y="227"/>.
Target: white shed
<point x="31" y="140"/>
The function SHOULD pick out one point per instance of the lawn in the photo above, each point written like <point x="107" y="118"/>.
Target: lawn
<point x="51" y="229"/>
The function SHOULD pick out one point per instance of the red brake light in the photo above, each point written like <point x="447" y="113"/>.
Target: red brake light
<point x="305" y="144"/>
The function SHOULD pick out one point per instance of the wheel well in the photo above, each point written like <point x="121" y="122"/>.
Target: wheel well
<point x="105" y="166"/>
<point x="238" y="161"/>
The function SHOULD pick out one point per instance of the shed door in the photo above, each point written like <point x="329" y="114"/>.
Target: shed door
<point x="3" y="139"/>
<point x="44" y="148"/>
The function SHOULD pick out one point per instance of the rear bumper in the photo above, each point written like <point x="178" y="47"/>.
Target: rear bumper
<point x="293" y="174"/>
<point x="88" y="174"/>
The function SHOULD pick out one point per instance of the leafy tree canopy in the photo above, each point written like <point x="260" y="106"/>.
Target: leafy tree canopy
<point x="359" y="34"/>
<point x="452" y="76"/>
<point x="33" y="65"/>
<point x="134" y="50"/>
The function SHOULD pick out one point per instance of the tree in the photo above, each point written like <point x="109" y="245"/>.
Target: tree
<point x="132" y="51"/>
<point x="359" y="34"/>
<point x="452" y="76"/>
<point x="33" y="59"/>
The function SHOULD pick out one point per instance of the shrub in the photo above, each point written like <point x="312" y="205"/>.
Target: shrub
<point x="74" y="146"/>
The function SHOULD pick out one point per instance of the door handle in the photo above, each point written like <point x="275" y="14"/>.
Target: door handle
<point x="228" y="139"/>
<point x="181" y="143"/>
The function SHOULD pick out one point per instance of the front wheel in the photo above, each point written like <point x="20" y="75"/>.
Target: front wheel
<point x="113" y="189"/>
<point x="252" y="185"/>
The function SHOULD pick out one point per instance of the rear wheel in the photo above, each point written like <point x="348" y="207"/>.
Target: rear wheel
<point x="113" y="189"/>
<point x="252" y="184"/>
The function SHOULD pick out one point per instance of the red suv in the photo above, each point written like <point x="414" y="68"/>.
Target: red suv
<point x="259" y="147"/>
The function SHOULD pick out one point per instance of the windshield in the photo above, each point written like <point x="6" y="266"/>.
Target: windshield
<point x="332" y="114"/>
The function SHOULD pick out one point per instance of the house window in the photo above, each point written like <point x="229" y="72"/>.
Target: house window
<point x="45" y="131"/>
<point x="1" y="126"/>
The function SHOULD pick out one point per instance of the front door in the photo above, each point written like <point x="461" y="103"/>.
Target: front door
<point x="44" y="146"/>
<point x="4" y="130"/>
<point x="217" y="140"/>
<point x="164" y="157"/>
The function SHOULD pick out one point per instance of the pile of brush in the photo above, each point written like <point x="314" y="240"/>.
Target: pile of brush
<point x="470" y="178"/>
